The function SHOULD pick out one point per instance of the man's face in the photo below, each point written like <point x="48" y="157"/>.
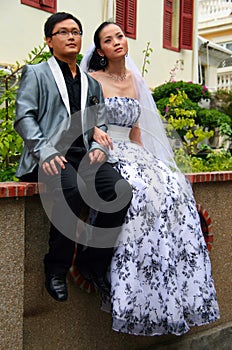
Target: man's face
<point x="66" y="43"/>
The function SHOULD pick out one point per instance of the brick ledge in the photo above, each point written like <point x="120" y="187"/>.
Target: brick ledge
<point x="18" y="189"/>
<point x="27" y="189"/>
<point x="214" y="176"/>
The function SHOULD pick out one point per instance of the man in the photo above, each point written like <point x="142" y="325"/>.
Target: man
<point x="49" y="98"/>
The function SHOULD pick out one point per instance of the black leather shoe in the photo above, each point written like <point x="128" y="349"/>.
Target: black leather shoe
<point x="101" y="284"/>
<point x="56" y="286"/>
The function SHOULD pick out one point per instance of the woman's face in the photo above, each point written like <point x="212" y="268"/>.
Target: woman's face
<point x="113" y="42"/>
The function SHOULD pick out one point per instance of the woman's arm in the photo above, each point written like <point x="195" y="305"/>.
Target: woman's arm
<point x="135" y="135"/>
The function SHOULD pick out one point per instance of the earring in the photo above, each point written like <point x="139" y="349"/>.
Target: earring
<point x="103" y="61"/>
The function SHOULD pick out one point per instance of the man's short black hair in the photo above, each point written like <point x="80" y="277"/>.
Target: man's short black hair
<point x="56" y="18"/>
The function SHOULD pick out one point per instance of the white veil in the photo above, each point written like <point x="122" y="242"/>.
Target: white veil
<point x="152" y="128"/>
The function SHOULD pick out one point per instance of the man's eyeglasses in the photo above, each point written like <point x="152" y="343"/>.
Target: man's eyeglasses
<point x="65" y="33"/>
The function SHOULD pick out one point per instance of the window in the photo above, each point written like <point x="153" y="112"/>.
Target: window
<point x="45" y="5"/>
<point x="228" y="61"/>
<point x="126" y="16"/>
<point x="178" y="24"/>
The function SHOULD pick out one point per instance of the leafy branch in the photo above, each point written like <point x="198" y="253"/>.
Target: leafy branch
<point x="147" y="52"/>
<point x="179" y="65"/>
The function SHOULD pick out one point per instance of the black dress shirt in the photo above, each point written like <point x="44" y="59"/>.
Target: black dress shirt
<point x="74" y="93"/>
<point x="73" y="86"/>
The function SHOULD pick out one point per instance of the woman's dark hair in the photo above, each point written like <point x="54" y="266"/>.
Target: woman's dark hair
<point x="56" y="18"/>
<point x="97" y="62"/>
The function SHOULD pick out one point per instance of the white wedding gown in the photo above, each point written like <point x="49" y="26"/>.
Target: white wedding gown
<point x="160" y="273"/>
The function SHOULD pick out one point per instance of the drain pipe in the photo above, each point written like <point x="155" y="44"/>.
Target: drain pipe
<point x="195" y="75"/>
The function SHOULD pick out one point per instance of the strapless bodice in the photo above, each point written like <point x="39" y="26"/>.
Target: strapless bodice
<point x="122" y="111"/>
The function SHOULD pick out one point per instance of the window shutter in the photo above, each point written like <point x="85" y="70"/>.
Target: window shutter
<point x="30" y="2"/>
<point x="167" y="23"/>
<point x="120" y="14"/>
<point x="47" y="3"/>
<point x="186" y="32"/>
<point x="126" y="16"/>
<point x="130" y="25"/>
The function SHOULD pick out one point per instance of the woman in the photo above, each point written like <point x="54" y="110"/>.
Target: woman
<point x="160" y="272"/>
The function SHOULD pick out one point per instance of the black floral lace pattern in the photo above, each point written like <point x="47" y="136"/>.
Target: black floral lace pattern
<point x="161" y="281"/>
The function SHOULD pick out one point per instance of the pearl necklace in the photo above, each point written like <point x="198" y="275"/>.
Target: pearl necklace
<point x="116" y="77"/>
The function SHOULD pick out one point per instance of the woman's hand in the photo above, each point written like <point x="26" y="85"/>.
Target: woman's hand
<point x="97" y="156"/>
<point x="102" y="138"/>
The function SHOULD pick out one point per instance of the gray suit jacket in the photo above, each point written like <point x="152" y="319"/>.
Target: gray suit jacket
<point x="43" y="113"/>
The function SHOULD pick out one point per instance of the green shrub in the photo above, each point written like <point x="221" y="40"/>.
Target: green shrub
<point x="222" y="100"/>
<point x="194" y="91"/>
<point x="183" y="120"/>
<point x="10" y="141"/>
<point x="213" y="160"/>
<point x="207" y="118"/>
<point x="162" y="105"/>
<point x="187" y="104"/>
<point x="212" y="118"/>
<point x="196" y="155"/>
<point x="178" y="102"/>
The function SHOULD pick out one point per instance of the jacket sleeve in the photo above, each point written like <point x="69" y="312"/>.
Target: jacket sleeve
<point x="27" y="120"/>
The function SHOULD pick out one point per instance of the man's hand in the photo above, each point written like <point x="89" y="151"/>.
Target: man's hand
<point x="97" y="156"/>
<point x="102" y="138"/>
<point x="50" y="167"/>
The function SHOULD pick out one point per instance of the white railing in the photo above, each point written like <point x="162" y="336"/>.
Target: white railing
<point x="213" y="9"/>
<point x="224" y="78"/>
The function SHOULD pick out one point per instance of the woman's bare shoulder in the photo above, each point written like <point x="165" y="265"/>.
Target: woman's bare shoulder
<point x="97" y="74"/>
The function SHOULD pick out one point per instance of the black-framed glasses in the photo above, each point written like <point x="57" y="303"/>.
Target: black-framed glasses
<point x="65" y="33"/>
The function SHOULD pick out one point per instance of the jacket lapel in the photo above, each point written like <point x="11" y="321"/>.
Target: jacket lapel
<point x="58" y="76"/>
<point x="84" y="94"/>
